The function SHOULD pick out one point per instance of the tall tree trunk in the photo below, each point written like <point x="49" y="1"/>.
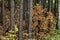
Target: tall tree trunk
<point x="30" y="18"/>
<point x="12" y="14"/>
<point x="9" y="4"/>
<point x="59" y="14"/>
<point x="26" y="16"/>
<point x="3" y="17"/>
<point x="49" y="4"/>
<point x="20" y="20"/>
<point x="44" y="3"/>
<point x="1" y="12"/>
<point x="55" y="8"/>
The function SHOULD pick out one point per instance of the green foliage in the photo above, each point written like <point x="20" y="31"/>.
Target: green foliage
<point x="58" y="31"/>
<point x="37" y="38"/>
<point x="17" y="2"/>
<point x="10" y="35"/>
<point x="15" y="28"/>
<point x="53" y="21"/>
<point x="55" y="36"/>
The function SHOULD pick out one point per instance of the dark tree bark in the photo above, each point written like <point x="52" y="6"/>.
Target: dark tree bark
<point x="49" y="4"/>
<point x="30" y="17"/>
<point x="57" y="14"/>
<point x="55" y="8"/>
<point x="12" y="14"/>
<point x="3" y="8"/>
<point x="20" y="21"/>
<point x="44" y="3"/>
<point x="1" y="12"/>
<point x="9" y="4"/>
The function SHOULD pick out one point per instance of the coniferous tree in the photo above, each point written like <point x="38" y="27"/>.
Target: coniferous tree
<point x="20" y="20"/>
<point x="11" y="14"/>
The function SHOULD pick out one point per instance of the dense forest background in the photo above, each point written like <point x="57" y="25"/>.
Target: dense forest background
<point x="44" y="19"/>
